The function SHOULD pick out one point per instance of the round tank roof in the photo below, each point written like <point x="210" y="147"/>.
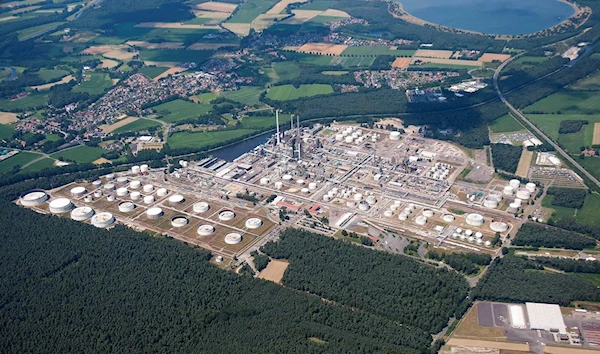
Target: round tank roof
<point x="233" y="238"/>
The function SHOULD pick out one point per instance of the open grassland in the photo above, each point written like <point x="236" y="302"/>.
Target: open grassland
<point x="378" y="50"/>
<point x="178" y="110"/>
<point x="19" y="159"/>
<point x="152" y="71"/>
<point x="39" y="165"/>
<point x="286" y="70"/>
<point x="567" y="102"/>
<point x="592" y="164"/>
<point x="266" y="121"/>
<point x="176" y="25"/>
<point x="550" y="124"/>
<point x="80" y="154"/>
<point x="48" y="86"/>
<point x="7" y="117"/>
<point x="319" y="5"/>
<point x="175" y="55"/>
<point x="94" y="83"/>
<point x="109" y="64"/>
<point x="248" y="95"/>
<point x="123" y="122"/>
<point x="590" y="83"/>
<point x="162" y="45"/>
<point x="6" y="131"/>
<point x="138" y="125"/>
<point x="588" y="214"/>
<point x="211" y="46"/>
<point x="206" y="97"/>
<point x="32" y="31"/>
<point x="51" y="74"/>
<point x="250" y="10"/>
<point x="289" y="92"/>
<point x="30" y="101"/>
<point x="325" y="19"/>
<point x="505" y="124"/>
<point x="205" y="139"/>
<point x="469" y="327"/>
<point x="121" y="54"/>
<point x="429" y="53"/>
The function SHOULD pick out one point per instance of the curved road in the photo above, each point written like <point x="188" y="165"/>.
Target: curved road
<point x="531" y="126"/>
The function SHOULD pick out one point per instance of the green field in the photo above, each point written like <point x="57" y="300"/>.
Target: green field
<point x="6" y="131"/>
<point x="482" y="73"/>
<point x="140" y="124"/>
<point x="264" y="121"/>
<point x="325" y="60"/>
<point x="505" y="124"/>
<point x="550" y="124"/>
<point x="175" y="55"/>
<point x="31" y="101"/>
<point x="207" y="97"/>
<point x="178" y="110"/>
<point x="378" y="50"/>
<point x="80" y="154"/>
<point x="286" y="70"/>
<point x="51" y="75"/>
<point x="588" y="214"/>
<point x="594" y="278"/>
<point x="289" y="92"/>
<point x="52" y="137"/>
<point x="248" y="95"/>
<point x="325" y="19"/>
<point x="39" y="165"/>
<point x="152" y="71"/>
<point x="28" y="32"/>
<point x="443" y="66"/>
<point x="19" y="159"/>
<point x="249" y="10"/>
<point x="583" y="102"/>
<point x="592" y="165"/>
<point x="94" y="83"/>
<point x="590" y="83"/>
<point x="559" y="212"/>
<point x="205" y="139"/>
<point x="319" y="5"/>
<point x="335" y="72"/>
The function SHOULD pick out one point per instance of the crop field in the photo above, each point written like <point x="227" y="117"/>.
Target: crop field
<point x="162" y="45"/>
<point x="171" y="71"/>
<point x="446" y="62"/>
<point x="31" y="31"/>
<point x="81" y="154"/>
<point x="490" y="57"/>
<point x="378" y="50"/>
<point x="7" y="117"/>
<point x="524" y="163"/>
<point x="401" y="63"/>
<point x="94" y="83"/>
<point x="322" y="48"/>
<point x="178" y="110"/>
<point x="282" y="5"/>
<point x="319" y="5"/>
<point x="289" y="92"/>
<point x="51" y="74"/>
<point x="6" y="131"/>
<point x="19" y="159"/>
<point x="206" y="138"/>
<point x="175" y="55"/>
<point x="152" y="71"/>
<point x="590" y="83"/>
<point x="286" y="70"/>
<point x="140" y="124"/>
<point x="264" y="121"/>
<point x="39" y="165"/>
<point x="216" y="6"/>
<point x="550" y="124"/>
<point x="335" y="72"/>
<point x="349" y="62"/>
<point x="596" y="135"/>
<point x="325" y="19"/>
<point x="121" y="123"/>
<point x="30" y="101"/>
<point x="584" y="102"/>
<point x="429" y="53"/>
<point x="248" y="95"/>
<point x="207" y="97"/>
<point x="250" y="10"/>
<point x="301" y="16"/>
<point x="505" y="124"/>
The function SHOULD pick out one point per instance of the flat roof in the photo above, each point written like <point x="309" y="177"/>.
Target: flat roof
<point x="545" y="317"/>
<point x="517" y="317"/>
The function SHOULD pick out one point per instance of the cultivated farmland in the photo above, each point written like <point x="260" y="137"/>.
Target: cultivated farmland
<point x="289" y="92"/>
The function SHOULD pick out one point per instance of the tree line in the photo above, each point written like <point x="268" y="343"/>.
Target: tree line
<point x="536" y="235"/>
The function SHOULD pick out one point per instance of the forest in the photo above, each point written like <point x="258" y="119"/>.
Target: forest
<point x="570" y="265"/>
<point x="571" y="126"/>
<point x="567" y="197"/>
<point x="396" y="287"/>
<point x="506" y="157"/>
<point x="93" y="290"/>
<point x="467" y="263"/>
<point x="514" y="279"/>
<point x="536" y="235"/>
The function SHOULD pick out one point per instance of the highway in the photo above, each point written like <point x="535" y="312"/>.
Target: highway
<point x="531" y="126"/>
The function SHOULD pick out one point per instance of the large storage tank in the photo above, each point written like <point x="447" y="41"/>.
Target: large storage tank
<point x="388" y="213"/>
<point x="149" y="199"/>
<point x="103" y="220"/>
<point x="110" y="177"/>
<point x="490" y="203"/>
<point x="161" y="192"/>
<point x="226" y="215"/>
<point x="88" y="199"/>
<point x="135" y="184"/>
<point x="350" y="203"/>
<point x="109" y="187"/>
<point x="154" y="213"/>
<point x="264" y="181"/>
<point x="448" y="218"/>
<point x="126" y="207"/>
<point x="200" y="207"/>
<point x="508" y="191"/>
<point x="474" y="219"/>
<point x="136" y="195"/>
<point x="60" y="205"/>
<point x="97" y="183"/>
<point x="78" y="191"/>
<point x="205" y="230"/>
<point x="427" y="213"/>
<point x="122" y="180"/>
<point x="358" y="197"/>
<point x="82" y="213"/>
<point x="121" y="192"/>
<point x="33" y="198"/>
<point x="349" y="139"/>
<point x="530" y="187"/>
<point x="305" y="190"/>
<point x="253" y="223"/>
<point x="110" y="198"/>
<point x="394" y="135"/>
<point x="179" y="221"/>
<point x="176" y="199"/>
<point x="144" y="168"/>
<point x="312" y="186"/>
<point x="339" y="137"/>
<point x="98" y="193"/>
<point x="148" y="188"/>
<point x="287" y="178"/>
<point x="300" y="181"/>
<point x="514" y="183"/>
<point x="364" y="206"/>
<point x="326" y="198"/>
<point x="523" y="194"/>
<point x="498" y="226"/>
<point x="233" y="238"/>
<point x="420" y="220"/>
<point x="371" y="200"/>
<point x="278" y="185"/>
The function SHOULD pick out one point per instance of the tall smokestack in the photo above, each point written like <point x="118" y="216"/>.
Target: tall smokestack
<point x="277" y="122"/>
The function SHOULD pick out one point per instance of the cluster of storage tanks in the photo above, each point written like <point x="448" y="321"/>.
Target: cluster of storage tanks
<point x="514" y="188"/>
<point x="439" y="171"/>
<point x="142" y="169"/>
<point x="354" y="135"/>
<point x="470" y="236"/>
<point x="305" y="188"/>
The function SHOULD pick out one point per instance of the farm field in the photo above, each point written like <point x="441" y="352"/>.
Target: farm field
<point x="30" y="101"/>
<point x="505" y="124"/>
<point x="524" y="163"/>
<point x="250" y="10"/>
<point x="48" y="86"/>
<point x="550" y="124"/>
<point x="6" y="131"/>
<point x="178" y="110"/>
<point x="322" y="48"/>
<point x="289" y="92"/>
<point x="286" y="70"/>
<point x="140" y="124"/>
<point x="446" y="62"/>
<point x="152" y="71"/>
<point x="175" y="55"/>
<point x="118" y="124"/>
<point x="319" y="5"/>
<point x="39" y="165"/>
<point x="592" y="164"/>
<point x="590" y="83"/>
<point x="594" y="278"/>
<point x="325" y="19"/>
<point x="7" y="117"/>
<point x="248" y="95"/>
<point x="264" y="122"/>
<point x="50" y="75"/>
<point x="583" y="102"/>
<point x="80" y="154"/>
<point x="378" y="50"/>
<point x="588" y="214"/>
<point x="94" y="83"/>
<point x="19" y="159"/>
<point x="205" y="139"/>
<point x="28" y="32"/>
<point x="206" y="97"/>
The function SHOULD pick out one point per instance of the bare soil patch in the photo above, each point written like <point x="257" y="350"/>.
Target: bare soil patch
<point x="120" y="54"/>
<point x="109" y="63"/>
<point x="171" y="71"/>
<point x="280" y="6"/>
<point x="490" y="57"/>
<point x="322" y="48"/>
<point x="100" y="49"/>
<point x="524" y="163"/>
<point x="7" y="117"/>
<point x="401" y="63"/>
<point x="472" y="63"/>
<point x="101" y="161"/>
<point x="274" y="270"/>
<point x="112" y="127"/>
<point x="216" y="6"/>
<point x="596" y="138"/>
<point x="265" y="21"/>
<point x="161" y="64"/>
<point x="486" y="344"/>
<point x="64" y="80"/>
<point x="241" y="29"/>
<point x="301" y="16"/>
<point x="429" y="53"/>
<point x="334" y="13"/>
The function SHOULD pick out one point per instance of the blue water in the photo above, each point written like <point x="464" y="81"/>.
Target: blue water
<point x="234" y="151"/>
<point x="491" y="16"/>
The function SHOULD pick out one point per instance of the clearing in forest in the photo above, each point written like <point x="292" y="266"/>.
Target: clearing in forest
<point x="401" y="63"/>
<point x="524" y="163"/>
<point x="274" y="270"/>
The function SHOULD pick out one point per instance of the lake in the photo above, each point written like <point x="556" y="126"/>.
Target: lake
<point x="491" y="16"/>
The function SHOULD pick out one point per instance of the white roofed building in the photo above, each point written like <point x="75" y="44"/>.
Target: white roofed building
<point x="545" y="317"/>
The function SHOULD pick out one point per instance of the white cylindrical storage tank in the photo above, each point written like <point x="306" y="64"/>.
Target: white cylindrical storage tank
<point x="339" y="137"/>
<point x="474" y="219"/>
<point x="358" y="197"/>
<point x="122" y="191"/>
<point x="136" y="169"/>
<point x="479" y="241"/>
<point x="513" y="207"/>
<point x="326" y="198"/>
<point x="226" y="215"/>
<point x="364" y="206"/>
<point x="264" y="181"/>
<point x="110" y="198"/>
<point x="350" y="203"/>
<point x="179" y="221"/>
<point x="287" y="178"/>
<point x="407" y="210"/>
<point x="82" y="213"/>
<point x="523" y="194"/>
<point x="508" y="190"/>
<point x="397" y="202"/>
<point x="393" y="207"/>
<point x="109" y="187"/>
<point x="462" y="237"/>
<point x="349" y="139"/>
<point x="471" y="239"/>
<point x="402" y="217"/>
<point x="454" y="235"/>
<point x="97" y="183"/>
<point x="448" y="218"/>
<point x="420" y="220"/>
<point x="78" y="191"/>
<point x="176" y="199"/>
<point x="254" y="223"/>
<point x="514" y="183"/>
<point x="530" y="187"/>
<point x="371" y="200"/>
<point x="394" y="135"/>
<point x="103" y="220"/>
<point x="490" y="203"/>
<point x="148" y="188"/>
<point x="427" y="213"/>
<point x="149" y="199"/>
<point x="110" y="177"/>
<point x="335" y="190"/>
<point x="518" y="201"/>
<point x="300" y="181"/>
<point x="135" y="184"/>
<point x="278" y="185"/>
<point x="98" y="194"/>
<point x="60" y="205"/>
<point x="233" y="238"/>
<point x="468" y="232"/>
<point x="154" y="213"/>
<point x="126" y="207"/>
<point x="144" y="168"/>
<point x="88" y="199"/>
<point x="205" y="230"/>
<point x="33" y="198"/>
<point x="388" y="213"/>
<point x="312" y="186"/>
<point x="161" y="192"/>
<point x="122" y="180"/>
<point x="498" y="226"/>
<point x="136" y="195"/>
<point x="201" y="207"/>
<point x="459" y="230"/>
<point x="478" y="234"/>
<point x="305" y="190"/>
<point x="487" y="243"/>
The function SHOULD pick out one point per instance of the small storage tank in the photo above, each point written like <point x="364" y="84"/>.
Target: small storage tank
<point x="135" y="184"/>
<point x="126" y="207"/>
<point x="226" y="215"/>
<point x="394" y="135"/>
<point x="478" y="234"/>
<point x="110" y="177"/>
<point x="136" y="195"/>
<point x="468" y="232"/>
<point x="148" y="188"/>
<point x="233" y="238"/>
<point x="122" y="180"/>
<point x="458" y="230"/>
<point x="487" y="243"/>
<point x="200" y="207"/>
<point x="88" y="199"/>
<point x="339" y="137"/>
<point x="471" y="239"/>
<point x="523" y="194"/>
<point x="305" y="190"/>
<point x="109" y="187"/>
<point x="448" y="218"/>
<point x="358" y="197"/>
<point x="474" y="219"/>
<point x="364" y="206"/>
<point x="97" y="183"/>
<point x="455" y="235"/>
<point x="420" y="220"/>
<point x="205" y="230"/>
<point x="149" y="199"/>
<point x="179" y="221"/>
<point x="508" y="190"/>
<point x="278" y="185"/>
<point x="371" y="200"/>
<point x="103" y="220"/>
<point x="300" y="181"/>
<point x="427" y="213"/>
<point x="60" y="205"/>
<point x="518" y="201"/>
<point x="161" y="192"/>
<point x="78" y="191"/>
<point x="254" y="223"/>
<point x="402" y="217"/>
<point x="287" y="178"/>
<point x="144" y="168"/>
<point x="530" y="187"/>
<point x="326" y="198"/>
<point x="33" y="198"/>
<point x="122" y="191"/>
<point x="82" y="213"/>
<point x="264" y="181"/>
<point x="479" y="241"/>
<point x="490" y="203"/>
<point x="514" y="183"/>
<point x="154" y="213"/>
<point x="312" y="186"/>
<point x="110" y="198"/>
<point x="350" y="203"/>
<point x="136" y="169"/>
<point x="513" y="207"/>
<point x="176" y="199"/>
<point x="349" y="139"/>
<point x="98" y="194"/>
<point x="388" y="213"/>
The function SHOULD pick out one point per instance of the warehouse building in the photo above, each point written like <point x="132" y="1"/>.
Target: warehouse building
<point x="545" y="317"/>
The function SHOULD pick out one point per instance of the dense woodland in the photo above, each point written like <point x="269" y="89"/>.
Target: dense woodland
<point x="571" y="126"/>
<point x="398" y="288"/>
<point x="570" y="265"/>
<point x="506" y="157"/>
<point x="467" y="263"/>
<point x="536" y="235"/>
<point x="514" y="279"/>
<point x="567" y="197"/>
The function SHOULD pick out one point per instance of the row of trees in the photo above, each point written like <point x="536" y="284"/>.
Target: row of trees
<point x="567" y="197"/>
<point x="467" y="263"/>
<point x="571" y="126"/>
<point x="570" y="265"/>
<point x="536" y="235"/>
